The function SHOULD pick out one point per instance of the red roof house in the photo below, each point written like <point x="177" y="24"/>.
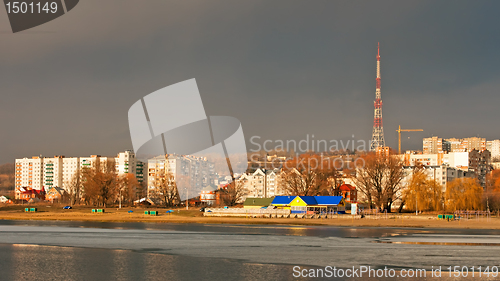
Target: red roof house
<point x="349" y="193"/>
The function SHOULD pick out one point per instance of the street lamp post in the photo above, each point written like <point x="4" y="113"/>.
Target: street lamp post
<point x="120" y="199"/>
<point x="416" y="204"/>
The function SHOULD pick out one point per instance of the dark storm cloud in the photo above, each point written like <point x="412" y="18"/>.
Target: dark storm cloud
<point x="284" y="68"/>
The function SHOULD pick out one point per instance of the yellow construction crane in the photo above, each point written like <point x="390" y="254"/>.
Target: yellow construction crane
<point x="399" y="135"/>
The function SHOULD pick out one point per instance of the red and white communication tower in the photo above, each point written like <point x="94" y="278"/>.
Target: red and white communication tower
<point x="378" y="128"/>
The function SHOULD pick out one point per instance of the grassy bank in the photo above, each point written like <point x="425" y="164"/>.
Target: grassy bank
<point x="83" y="213"/>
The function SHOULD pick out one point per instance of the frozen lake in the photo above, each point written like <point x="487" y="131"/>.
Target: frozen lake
<point x="231" y="252"/>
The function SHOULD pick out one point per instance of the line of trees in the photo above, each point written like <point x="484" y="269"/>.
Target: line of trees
<point x="310" y="175"/>
<point x="101" y="186"/>
<point x="379" y="178"/>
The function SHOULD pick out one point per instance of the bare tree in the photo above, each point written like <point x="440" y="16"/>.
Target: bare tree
<point x="233" y="193"/>
<point x="74" y="188"/>
<point x="379" y="179"/>
<point x="165" y="187"/>
<point x="310" y="175"/>
<point x="129" y="188"/>
<point x="303" y="183"/>
<point x="99" y="184"/>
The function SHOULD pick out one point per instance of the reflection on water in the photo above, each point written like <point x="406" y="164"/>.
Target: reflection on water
<point x="31" y="262"/>
<point x="28" y="262"/>
<point x="437" y="243"/>
<point x="297" y="230"/>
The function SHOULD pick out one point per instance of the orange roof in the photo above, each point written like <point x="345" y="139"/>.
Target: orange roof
<point x="347" y="187"/>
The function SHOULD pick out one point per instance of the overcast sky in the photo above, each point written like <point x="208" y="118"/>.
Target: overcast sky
<point x="285" y="69"/>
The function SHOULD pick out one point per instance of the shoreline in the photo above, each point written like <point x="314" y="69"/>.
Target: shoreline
<point x="83" y="214"/>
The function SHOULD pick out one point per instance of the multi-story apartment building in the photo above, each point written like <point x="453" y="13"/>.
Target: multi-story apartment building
<point x="28" y="174"/>
<point x="189" y="172"/>
<point x="423" y="159"/>
<point x="494" y="147"/>
<point x="452" y="145"/>
<point x="480" y="164"/>
<point x="41" y="173"/>
<point x="432" y="145"/>
<point x="451" y="165"/>
<point x="261" y="183"/>
<point x="442" y="174"/>
<point x="474" y="143"/>
<point x="462" y="145"/>
<point x="52" y="172"/>
<point x="459" y="160"/>
<point x="127" y="163"/>
<point x="70" y="168"/>
<point x="96" y="161"/>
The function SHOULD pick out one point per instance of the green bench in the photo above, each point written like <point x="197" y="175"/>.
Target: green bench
<point x="151" y="213"/>
<point x="31" y="210"/>
<point x="446" y="217"/>
<point x="97" y="210"/>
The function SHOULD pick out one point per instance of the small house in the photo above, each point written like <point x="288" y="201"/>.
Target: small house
<point x="31" y="195"/>
<point x="55" y="194"/>
<point x="349" y="193"/>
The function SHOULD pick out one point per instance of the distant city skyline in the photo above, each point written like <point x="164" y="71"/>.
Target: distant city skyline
<point x="284" y="69"/>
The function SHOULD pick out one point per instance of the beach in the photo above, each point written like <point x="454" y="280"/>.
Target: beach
<point x="193" y="215"/>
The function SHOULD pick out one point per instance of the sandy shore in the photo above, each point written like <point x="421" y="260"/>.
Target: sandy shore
<point x="195" y="216"/>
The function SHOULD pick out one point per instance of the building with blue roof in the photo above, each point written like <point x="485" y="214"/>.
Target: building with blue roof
<point x="281" y="201"/>
<point x="310" y="204"/>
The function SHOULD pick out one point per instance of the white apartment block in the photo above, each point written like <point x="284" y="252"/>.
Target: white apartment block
<point x="44" y="173"/>
<point x="459" y="160"/>
<point x="127" y="163"/>
<point x="60" y="171"/>
<point x="261" y="183"/>
<point x="52" y="172"/>
<point x="442" y="174"/>
<point x="70" y="167"/>
<point x="195" y="172"/>
<point x="453" y="159"/>
<point x="494" y="147"/>
<point x="95" y="161"/>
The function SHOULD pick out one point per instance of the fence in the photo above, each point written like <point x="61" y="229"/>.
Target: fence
<point x="374" y="214"/>
<point x="272" y="213"/>
<point x="469" y="215"/>
<point x="217" y="212"/>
